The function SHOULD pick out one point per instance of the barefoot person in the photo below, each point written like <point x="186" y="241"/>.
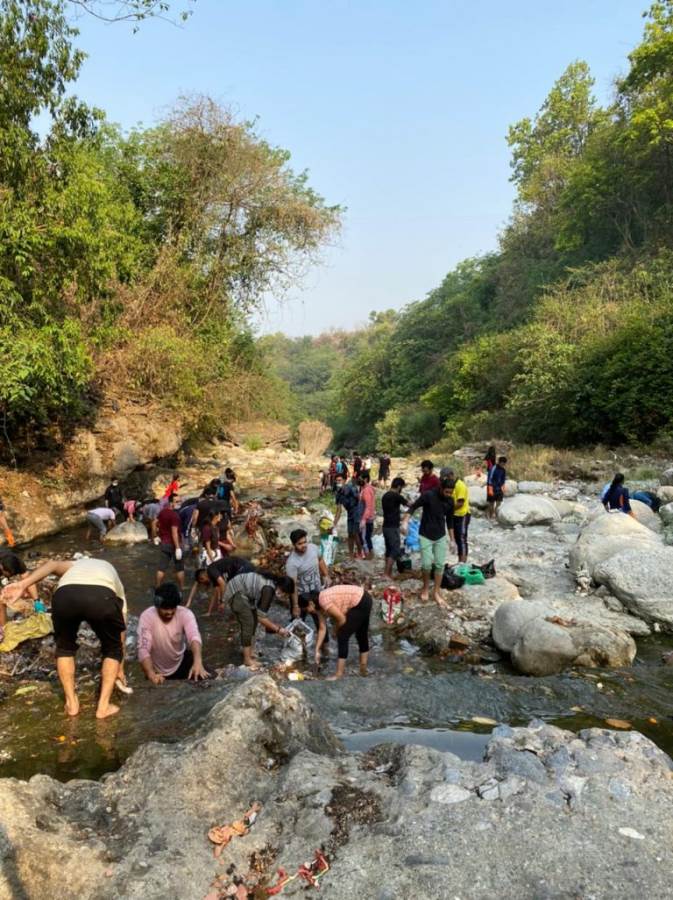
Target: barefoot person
<point x="437" y="516"/>
<point x="391" y="502"/>
<point x="249" y="594"/>
<point x="349" y="606"/>
<point x="89" y="590"/>
<point x="169" y="641"/>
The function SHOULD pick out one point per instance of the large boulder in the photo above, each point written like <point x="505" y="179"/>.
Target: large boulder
<point x="535" y="487"/>
<point x="478" y="498"/>
<point x="127" y="533"/>
<point x="511" y="488"/>
<point x="665" y="493"/>
<point x="666" y="513"/>
<point x="667" y="477"/>
<point x="541" y="645"/>
<point x="645" y="515"/>
<point x="142" y="832"/>
<point x="606" y="535"/>
<point x="510" y="619"/>
<point x="285" y="525"/>
<point x="527" y="510"/>
<point x="642" y="578"/>
<point x="543" y="648"/>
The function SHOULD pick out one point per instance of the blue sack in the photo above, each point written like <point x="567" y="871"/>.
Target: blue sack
<point x="412" y="542"/>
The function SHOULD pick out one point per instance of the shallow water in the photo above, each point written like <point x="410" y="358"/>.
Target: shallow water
<point x="408" y="698"/>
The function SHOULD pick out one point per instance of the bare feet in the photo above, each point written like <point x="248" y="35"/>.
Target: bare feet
<point x="72" y="709"/>
<point x="363" y="672"/>
<point x="333" y="677"/>
<point x="106" y="712"/>
<point x="425" y="596"/>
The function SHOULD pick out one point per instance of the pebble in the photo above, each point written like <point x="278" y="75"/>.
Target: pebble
<point x="632" y="833"/>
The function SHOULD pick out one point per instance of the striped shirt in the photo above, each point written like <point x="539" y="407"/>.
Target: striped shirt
<point x="250" y="584"/>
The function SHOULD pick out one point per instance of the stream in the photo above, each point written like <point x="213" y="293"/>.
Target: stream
<point x="408" y="698"/>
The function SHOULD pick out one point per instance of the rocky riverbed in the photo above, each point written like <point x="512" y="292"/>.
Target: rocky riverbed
<point x="547" y="813"/>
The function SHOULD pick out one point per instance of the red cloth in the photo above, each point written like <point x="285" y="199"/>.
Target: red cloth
<point x="168" y="519"/>
<point x="428" y="483"/>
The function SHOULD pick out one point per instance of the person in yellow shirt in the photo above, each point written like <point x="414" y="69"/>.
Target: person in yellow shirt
<point x="461" y="517"/>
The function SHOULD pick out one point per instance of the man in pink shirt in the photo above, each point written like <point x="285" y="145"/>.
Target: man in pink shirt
<point x="169" y="642"/>
<point x="368" y="515"/>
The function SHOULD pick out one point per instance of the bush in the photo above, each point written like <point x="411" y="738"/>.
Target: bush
<point x="253" y="443"/>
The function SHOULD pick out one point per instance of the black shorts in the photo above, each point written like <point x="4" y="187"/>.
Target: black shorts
<point x="99" y="607"/>
<point x="353" y="523"/>
<point x="182" y="670"/>
<point x="496" y="497"/>
<point x="167" y="556"/>
<point x="393" y="543"/>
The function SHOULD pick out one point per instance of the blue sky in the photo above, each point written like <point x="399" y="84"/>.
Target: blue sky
<point x="399" y="111"/>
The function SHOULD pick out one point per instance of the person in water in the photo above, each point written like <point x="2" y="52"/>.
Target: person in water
<point x="349" y="607"/>
<point x="217" y="575"/>
<point x="11" y="565"/>
<point x="89" y="590"/>
<point x="169" y="641"/>
<point x="250" y="594"/>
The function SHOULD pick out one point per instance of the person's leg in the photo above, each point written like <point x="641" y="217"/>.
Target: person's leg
<point x="438" y="558"/>
<point x="66" y="621"/>
<point x="343" y="639"/>
<point x="106" y="619"/>
<point x="65" y="668"/>
<point x="369" y="533"/>
<point x="466" y="527"/>
<point x="162" y="565"/>
<point x="246" y="622"/>
<point x="362" y="631"/>
<point x="426" y="566"/>
<point x="179" y="572"/>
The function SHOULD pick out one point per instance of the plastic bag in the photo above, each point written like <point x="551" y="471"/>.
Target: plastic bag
<point x="404" y="564"/>
<point x="471" y="574"/>
<point x="391" y="605"/>
<point x="328" y="547"/>
<point x="300" y="639"/>
<point x="412" y="541"/>
<point x="379" y="545"/>
<point x="451" y="582"/>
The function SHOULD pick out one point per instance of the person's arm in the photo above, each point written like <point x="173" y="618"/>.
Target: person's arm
<point x="197" y="670"/>
<point x="18" y="588"/>
<point x="192" y="594"/>
<point x="291" y="572"/>
<point x="272" y="627"/>
<point x="145" y="655"/>
<point x="417" y="504"/>
<point x="235" y="506"/>
<point x="228" y="545"/>
<point x="322" y="634"/>
<point x="324" y="571"/>
<point x="338" y="617"/>
<point x="337" y="514"/>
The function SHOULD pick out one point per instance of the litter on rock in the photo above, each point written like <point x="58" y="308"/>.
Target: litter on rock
<point x="222" y="834"/>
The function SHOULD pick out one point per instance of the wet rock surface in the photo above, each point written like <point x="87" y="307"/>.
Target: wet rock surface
<point x="547" y="813"/>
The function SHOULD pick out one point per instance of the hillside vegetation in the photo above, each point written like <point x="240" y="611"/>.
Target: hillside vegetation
<point x="129" y="262"/>
<point x="565" y="334"/>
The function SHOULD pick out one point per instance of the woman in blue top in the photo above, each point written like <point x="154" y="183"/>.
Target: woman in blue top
<point x="616" y="498"/>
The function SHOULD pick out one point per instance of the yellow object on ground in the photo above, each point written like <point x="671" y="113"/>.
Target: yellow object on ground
<point x="36" y="626"/>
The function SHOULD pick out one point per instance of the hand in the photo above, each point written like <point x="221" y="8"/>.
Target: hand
<point x="295" y="612"/>
<point x="156" y="678"/>
<point x="283" y="632"/>
<point x="178" y="553"/>
<point x="11" y="592"/>
<point x="317" y="657"/>
<point x="197" y="672"/>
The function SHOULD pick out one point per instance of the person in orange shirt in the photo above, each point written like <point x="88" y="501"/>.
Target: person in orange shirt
<point x="350" y="607"/>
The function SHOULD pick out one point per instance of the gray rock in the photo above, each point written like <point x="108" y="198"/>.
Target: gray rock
<point x="127" y="533"/>
<point x="642" y="579"/>
<point x="645" y="515"/>
<point x="142" y="832"/>
<point x="606" y="535"/>
<point x="543" y="649"/>
<point x="665" y="493"/>
<point x="511" y="618"/>
<point x="666" y="513"/>
<point x="527" y="510"/>
<point x="535" y="487"/>
<point x="667" y="477"/>
<point x="478" y="497"/>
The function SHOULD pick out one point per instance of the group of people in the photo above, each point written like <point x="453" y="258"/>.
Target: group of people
<point x="615" y="497"/>
<point x="359" y="466"/>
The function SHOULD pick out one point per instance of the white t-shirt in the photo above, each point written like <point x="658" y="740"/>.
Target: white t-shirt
<point x="103" y="512"/>
<point x="304" y="568"/>
<point x="95" y="572"/>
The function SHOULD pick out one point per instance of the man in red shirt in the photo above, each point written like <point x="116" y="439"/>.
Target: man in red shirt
<point x="170" y="538"/>
<point x="429" y="481"/>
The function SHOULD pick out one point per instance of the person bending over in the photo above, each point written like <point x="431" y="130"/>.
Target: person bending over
<point x="169" y="641"/>
<point x="12" y="565"/>
<point x="216" y="575"/>
<point x="250" y="594"/>
<point x="349" y="607"/>
<point x="89" y="590"/>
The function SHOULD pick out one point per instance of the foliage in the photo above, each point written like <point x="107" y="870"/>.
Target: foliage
<point x="137" y="255"/>
<point x="564" y="335"/>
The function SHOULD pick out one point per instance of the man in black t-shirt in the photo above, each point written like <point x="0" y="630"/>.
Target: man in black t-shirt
<point x="217" y="575"/>
<point x="391" y="503"/>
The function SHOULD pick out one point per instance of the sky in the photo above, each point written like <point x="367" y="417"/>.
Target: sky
<point x="398" y="110"/>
